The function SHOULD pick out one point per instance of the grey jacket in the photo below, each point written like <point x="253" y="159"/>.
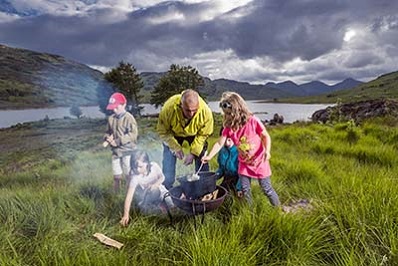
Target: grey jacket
<point x="124" y="131"/>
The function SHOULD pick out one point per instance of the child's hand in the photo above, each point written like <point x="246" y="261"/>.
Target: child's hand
<point x="111" y="141"/>
<point x="267" y="156"/>
<point x="205" y="159"/>
<point x="125" y="220"/>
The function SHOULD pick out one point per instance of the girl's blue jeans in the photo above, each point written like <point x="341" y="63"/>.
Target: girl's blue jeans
<point x="266" y="187"/>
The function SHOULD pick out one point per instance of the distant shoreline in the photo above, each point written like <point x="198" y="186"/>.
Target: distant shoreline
<point x="35" y="107"/>
<point x="264" y="111"/>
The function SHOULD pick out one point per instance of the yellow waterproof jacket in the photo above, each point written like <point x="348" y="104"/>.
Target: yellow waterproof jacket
<point x="171" y="124"/>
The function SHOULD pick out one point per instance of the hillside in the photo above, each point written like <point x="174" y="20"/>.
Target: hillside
<point x="250" y="92"/>
<point x="269" y="91"/>
<point x="30" y="79"/>
<point x="383" y="87"/>
<point x="313" y="87"/>
<point x="214" y="88"/>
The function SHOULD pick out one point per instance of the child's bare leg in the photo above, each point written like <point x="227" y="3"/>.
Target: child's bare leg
<point x="117" y="180"/>
<point x="125" y="163"/>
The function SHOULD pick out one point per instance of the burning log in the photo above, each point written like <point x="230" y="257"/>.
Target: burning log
<point x="210" y="196"/>
<point x="207" y="197"/>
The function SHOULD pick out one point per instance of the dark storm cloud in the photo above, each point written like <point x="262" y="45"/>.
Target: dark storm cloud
<point x="294" y="31"/>
<point x="171" y="32"/>
<point x="90" y="40"/>
<point x="266" y="31"/>
<point x="359" y="60"/>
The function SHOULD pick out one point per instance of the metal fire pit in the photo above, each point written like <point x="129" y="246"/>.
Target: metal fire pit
<point x="197" y="206"/>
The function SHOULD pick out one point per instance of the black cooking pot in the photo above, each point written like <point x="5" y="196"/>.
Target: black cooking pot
<point x="198" y="188"/>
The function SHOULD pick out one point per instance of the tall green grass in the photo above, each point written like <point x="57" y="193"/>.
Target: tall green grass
<point x="50" y="211"/>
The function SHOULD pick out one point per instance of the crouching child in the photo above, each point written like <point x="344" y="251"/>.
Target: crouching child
<point x="145" y="186"/>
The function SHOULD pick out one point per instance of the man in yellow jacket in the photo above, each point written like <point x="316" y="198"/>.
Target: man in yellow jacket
<point x="184" y="117"/>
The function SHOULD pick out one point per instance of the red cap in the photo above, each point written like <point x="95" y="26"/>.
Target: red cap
<point x="116" y="99"/>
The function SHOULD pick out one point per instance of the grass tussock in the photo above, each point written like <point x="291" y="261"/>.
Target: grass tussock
<point x="55" y="193"/>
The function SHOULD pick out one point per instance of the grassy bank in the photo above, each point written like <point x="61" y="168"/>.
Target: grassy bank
<point x="55" y="193"/>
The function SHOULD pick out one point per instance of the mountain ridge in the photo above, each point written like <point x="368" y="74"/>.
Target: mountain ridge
<point x="30" y="79"/>
<point x="383" y="87"/>
<point x="274" y="90"/>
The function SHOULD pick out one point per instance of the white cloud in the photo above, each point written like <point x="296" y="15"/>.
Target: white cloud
<point x="225" y="64"/>
<point x="45" y="7"/>
<point x="69" y="7"/>
<point x="220" y="7"/>
<point x="205" y="11"/>
<point x="102" y="69"/>
<point x="173" y="16"/>
<point x="4" y="17"/>
<point x="349" y="34"/>
<point x="145" y="3"/>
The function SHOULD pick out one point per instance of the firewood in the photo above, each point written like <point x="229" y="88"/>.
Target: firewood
<point x="210" y="196"/>
<point x="215" y="193"/>
<point x="108" y="241"/>
<point x="207" y="197"/>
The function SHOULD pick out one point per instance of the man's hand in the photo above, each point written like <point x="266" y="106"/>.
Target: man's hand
<point x="189" y="159"/>
<point x="179" y="154"/>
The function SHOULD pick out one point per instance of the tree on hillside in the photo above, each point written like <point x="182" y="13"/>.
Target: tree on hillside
<point x="177" y="79"/>
<point x="127" y="81"/>
<point x="76" y="111"/>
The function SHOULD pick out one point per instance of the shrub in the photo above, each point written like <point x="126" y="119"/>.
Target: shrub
<point x="76" y="111"/>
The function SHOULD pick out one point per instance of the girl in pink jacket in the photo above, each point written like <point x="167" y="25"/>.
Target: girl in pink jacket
<point x="253" y="143"/>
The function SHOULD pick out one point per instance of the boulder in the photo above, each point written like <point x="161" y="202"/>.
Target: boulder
<point x="278" y="119"/>
<point x="357" y="111"/>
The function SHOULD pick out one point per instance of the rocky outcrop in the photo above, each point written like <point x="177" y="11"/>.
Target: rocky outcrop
<point x="357" y="111"/>
<point x="277" y="119"/>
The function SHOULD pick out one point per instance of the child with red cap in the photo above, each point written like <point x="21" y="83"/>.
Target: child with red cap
<point x="121" y="135"/>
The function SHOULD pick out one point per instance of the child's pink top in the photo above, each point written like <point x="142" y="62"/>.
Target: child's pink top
<point x="251" y="150"/>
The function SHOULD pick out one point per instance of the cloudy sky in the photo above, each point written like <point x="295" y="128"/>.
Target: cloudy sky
<point x="256" y="41"/>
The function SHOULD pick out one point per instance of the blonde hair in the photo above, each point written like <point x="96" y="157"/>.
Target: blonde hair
<point x="237" y="113"/>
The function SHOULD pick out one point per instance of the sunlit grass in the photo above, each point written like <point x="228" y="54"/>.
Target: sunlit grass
<point x="50" y="211"/>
